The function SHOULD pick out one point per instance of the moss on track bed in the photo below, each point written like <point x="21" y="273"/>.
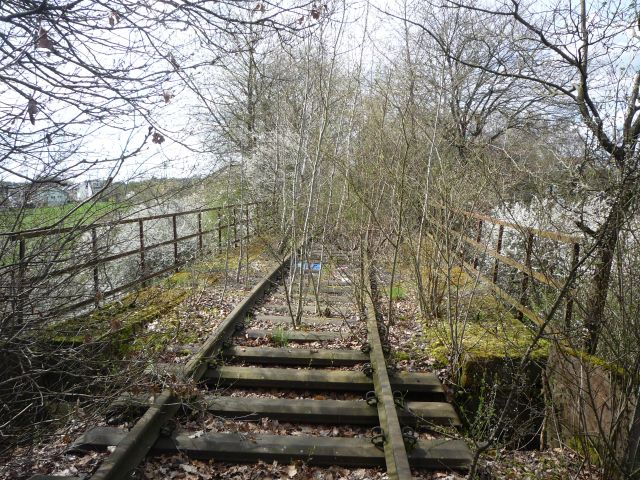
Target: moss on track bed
<point x="118" y="320"/>
<point x="147" y="319"/>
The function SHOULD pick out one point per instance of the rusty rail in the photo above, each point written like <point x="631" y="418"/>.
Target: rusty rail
<point x="395" y="452"/>
<point x="139" y="440"/>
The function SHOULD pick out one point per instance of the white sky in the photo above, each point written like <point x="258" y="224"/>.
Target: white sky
<point x="176" y="119"/>
<point x="178" y="156"/>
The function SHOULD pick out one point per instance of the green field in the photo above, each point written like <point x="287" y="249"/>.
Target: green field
<point x="69" y="215"/>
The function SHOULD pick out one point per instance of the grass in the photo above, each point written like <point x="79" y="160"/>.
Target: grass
<point x="397" y="293"/>
<point x="280" y="337"/>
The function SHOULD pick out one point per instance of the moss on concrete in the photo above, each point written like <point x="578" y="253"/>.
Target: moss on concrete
<point x="218" y="262"/>
<point x="490" y="331"/>
<point x="118" y="320"/>
<point x="180" y="279"/>
<point x="491" y="342"/>
<point x="610" y="367"/>
<point x="586" y="448"/>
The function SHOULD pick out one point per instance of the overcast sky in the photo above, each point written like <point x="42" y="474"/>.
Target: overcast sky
<point x="178" y="155"/>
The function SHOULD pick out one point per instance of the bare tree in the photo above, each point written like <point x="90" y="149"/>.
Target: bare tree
<point x="84" y="91"/>
<point x="582" y="53"/>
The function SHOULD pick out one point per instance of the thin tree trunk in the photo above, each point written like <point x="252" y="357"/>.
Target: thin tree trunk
<point x="605" y="251"/>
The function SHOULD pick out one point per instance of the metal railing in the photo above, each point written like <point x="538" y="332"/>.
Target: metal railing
<point x="43" y="255"/>
<point x="482" y="246"/>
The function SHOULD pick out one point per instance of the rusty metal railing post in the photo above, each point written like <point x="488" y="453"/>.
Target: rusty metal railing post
<point x="175" y="242"/>
<point x="476" y="260"/>
<point x="200" y="232"/>
<point x="568" y="312"/>
<point x="524" y="297"/>
<point x="498" y="251"/>
<point x="96" y="273"/>
<point x="143" y="266"/>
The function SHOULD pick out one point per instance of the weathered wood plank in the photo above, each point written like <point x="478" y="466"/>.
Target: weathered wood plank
<point x="557" y="236"/>
<point x="310" y="300"/>
<point x="306" y="379"/>
<point x="240" y="448"/>
<point x="296" y="356"/>
<point x="330" y="412"/>
<point x="293" y="335"/>
<point x="328" y="290"/>
<point x="311" y="309"/>
<point x="331" y="283"/>
<point x="306" y="320"/>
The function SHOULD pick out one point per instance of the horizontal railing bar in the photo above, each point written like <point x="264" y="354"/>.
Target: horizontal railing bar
<point x="505" y="296"/>
<point x="118" y="256"/>
<point x="481" y="248"/>
<point x="559" y="237"/>
<point x="46" y="231"/>
<point x="231" y="218"/>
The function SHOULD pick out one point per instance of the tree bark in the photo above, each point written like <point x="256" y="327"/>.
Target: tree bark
<point x="633" y="443"/>
<point x="607" y="239"/>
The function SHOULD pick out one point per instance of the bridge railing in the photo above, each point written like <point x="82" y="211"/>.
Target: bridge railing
<point x="509" y="258"/>
<point x="52" y="271"/>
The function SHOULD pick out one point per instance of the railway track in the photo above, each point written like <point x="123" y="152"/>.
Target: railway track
<point x="330" y="372"/>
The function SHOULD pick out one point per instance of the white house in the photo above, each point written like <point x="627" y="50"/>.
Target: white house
<point x="83" y="190"/>
<point x="50" y="195"/>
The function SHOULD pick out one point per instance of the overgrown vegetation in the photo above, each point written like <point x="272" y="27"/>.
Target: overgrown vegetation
<point x="514" y="110"/>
